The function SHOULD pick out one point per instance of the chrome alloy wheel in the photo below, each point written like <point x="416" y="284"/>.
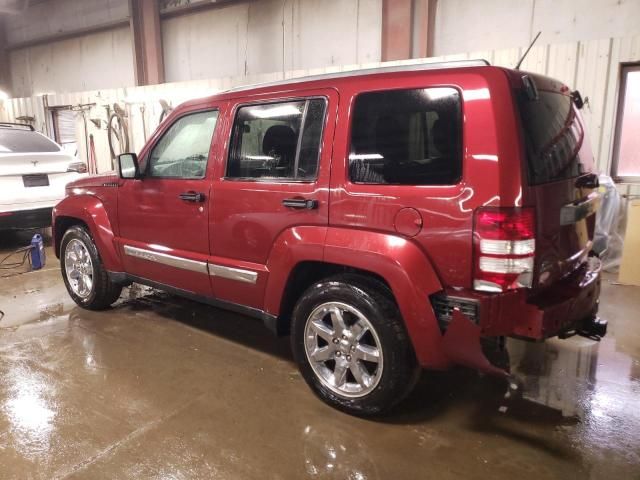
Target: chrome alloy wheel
<point x="343" y="349"/>
<point x="78" y="268"/>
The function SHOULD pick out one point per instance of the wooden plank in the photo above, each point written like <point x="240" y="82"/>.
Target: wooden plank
<point x="562" y="62"/>
<point x="630" y="265"/>
<point x="591" y="81"/>
<point x="507" y="58"/>
<point x="536" y="60"/>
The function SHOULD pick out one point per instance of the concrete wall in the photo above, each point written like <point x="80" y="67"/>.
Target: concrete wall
<point x="99" y="60"/>
<point x="50" y="18"/>
<point x="271" y="35"/>
<point x="466" y="25"/>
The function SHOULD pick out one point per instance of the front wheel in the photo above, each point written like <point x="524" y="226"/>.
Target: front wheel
<point x="351" y="346"/>
<point x="85" y="277"/>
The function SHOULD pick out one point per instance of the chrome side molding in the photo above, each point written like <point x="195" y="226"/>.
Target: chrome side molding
<point x="165" y="259"/>
<point x="215" y="270"/>
<point x="246" y="276"/>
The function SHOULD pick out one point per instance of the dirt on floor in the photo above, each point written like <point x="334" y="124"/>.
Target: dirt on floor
<point x="161" y="387"/>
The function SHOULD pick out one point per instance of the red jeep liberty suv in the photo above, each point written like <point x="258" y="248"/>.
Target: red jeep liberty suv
<point x="388" y="220"/>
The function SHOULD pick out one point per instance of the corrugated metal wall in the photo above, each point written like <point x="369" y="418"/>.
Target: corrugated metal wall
<point x="592" y="67"/>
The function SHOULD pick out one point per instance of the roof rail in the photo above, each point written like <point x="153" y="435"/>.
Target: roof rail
<point x="20" y="126"/>
<point x="367" y="71"/>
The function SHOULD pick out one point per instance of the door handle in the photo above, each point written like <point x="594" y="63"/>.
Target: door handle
<point x="301" y="203"/>
<point x="195" y="197"/>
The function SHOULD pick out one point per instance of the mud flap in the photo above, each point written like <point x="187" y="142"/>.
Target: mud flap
<point x="461" y="344"/>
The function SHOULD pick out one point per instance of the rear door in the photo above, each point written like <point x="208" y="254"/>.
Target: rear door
<point x="558" y="163"/>
<point x="276" y="177"/>
<point x="163" y="216"/>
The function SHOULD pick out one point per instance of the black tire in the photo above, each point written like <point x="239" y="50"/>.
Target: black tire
<point x="375" y="301"/>
<point x="103" y="291"/>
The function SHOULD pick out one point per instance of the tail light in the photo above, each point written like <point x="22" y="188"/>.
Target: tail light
<point x="79" y="167"/>
<point x="504" y="248"/>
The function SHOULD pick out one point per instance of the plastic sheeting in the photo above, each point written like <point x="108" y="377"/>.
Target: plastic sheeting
<point x="607" y="240"/>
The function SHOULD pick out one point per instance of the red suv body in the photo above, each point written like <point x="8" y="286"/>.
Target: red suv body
<point x="457" y="200"/>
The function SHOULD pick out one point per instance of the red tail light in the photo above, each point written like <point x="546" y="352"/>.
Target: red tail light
<point x="504" y="248"/>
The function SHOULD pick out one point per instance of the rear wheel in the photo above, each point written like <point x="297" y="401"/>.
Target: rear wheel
<point x="84" y="275"/>
<point x="351" y="346"/>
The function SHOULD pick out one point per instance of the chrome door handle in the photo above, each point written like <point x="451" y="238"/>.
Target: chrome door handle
<point x="195" y="197"/>
<point x="300" y="203"/>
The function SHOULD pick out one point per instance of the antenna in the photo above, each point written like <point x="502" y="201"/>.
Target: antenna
<point x="524" y="55"/>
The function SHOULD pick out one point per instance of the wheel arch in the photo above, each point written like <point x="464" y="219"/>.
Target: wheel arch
<point x="396" y="262"/>
<point x="90" y="212"/>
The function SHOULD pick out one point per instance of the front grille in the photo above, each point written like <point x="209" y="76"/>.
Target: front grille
<point x="443" y="306"/>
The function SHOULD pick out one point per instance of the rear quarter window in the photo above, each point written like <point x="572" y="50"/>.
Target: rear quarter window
<point x="407" y="137"/>
<point x="24" y="141"/>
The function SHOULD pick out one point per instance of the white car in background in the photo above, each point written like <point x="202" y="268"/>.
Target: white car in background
<point x="34" y="171"/>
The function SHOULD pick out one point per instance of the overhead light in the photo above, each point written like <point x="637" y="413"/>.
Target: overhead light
<point x="4" y="95"/>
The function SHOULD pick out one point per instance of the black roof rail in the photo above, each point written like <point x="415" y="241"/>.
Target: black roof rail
<point x="24" y="126"/>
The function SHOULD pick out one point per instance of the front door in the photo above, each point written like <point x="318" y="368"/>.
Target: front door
<point x="275" y="181"/>
<point x="163" y="217"/>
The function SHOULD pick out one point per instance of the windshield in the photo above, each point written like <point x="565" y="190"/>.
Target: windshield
<point x="553" y="137"/>
<point x="25" y="141"/>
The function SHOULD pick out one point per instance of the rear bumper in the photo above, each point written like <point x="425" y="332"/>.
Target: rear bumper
<point x="570" y="306"/>
<point x="540" y="315"/>
<point x="24" y="219"/>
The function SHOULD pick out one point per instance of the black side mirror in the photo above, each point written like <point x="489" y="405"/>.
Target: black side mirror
<point x="128" y="165"/>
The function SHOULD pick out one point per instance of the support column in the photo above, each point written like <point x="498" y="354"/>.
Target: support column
<point x="5" y="63"/>
<point x="396" y="29"/>
<point x="407" y="29"/>
<point x="147" y="41"/>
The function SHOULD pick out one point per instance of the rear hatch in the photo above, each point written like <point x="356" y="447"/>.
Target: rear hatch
<point x="33" y="169"/>
<point x="25" y="152"/>
<point x="560" y="184"/>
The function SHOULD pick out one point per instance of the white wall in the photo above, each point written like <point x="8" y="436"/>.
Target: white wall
<point x="49" y="18"/>
<point x="466" y="25"/>
<point x="99" y="60"/>
<point x="590" y="66"/>
<point x="271" y="35"/>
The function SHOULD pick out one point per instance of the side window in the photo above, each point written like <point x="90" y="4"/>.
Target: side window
<point x="183" y="150"/>
<point x="407" y="137"/>
<point x="277" y="140"/>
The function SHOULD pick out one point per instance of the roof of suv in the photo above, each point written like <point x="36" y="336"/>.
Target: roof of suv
<point x="366" y="71"/>
<point x="230" y="93"/>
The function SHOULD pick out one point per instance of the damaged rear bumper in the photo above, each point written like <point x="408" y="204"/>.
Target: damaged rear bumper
<point x="569" y="307"/>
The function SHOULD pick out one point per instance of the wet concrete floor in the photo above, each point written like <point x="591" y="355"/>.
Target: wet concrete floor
<point x="164" y="388"/>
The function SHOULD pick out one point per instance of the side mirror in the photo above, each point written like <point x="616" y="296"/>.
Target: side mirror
<point x="128" y="165"/>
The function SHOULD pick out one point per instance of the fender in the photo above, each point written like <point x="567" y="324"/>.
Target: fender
<point x="93" y="213"/>
<point x="410" y="275"/>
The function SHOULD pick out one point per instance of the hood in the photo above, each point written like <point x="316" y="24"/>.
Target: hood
<point x="95" y="180"/>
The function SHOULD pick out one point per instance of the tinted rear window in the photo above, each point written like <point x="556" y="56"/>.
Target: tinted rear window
<point x="553" y="137"/>
<point x="23" y="141"/>
<point x="406" y="137"/>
